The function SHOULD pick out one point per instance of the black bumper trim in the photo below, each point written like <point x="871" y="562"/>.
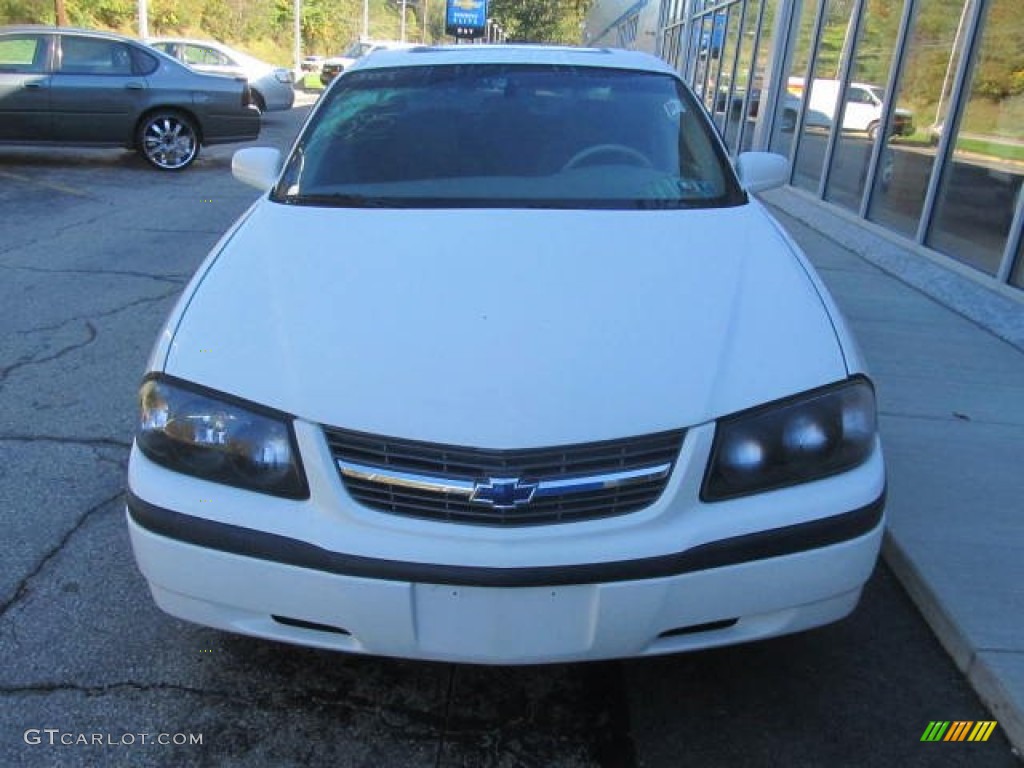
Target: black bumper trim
<point x="751" y="547"/>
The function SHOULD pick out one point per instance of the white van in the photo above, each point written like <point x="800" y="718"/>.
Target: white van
<point x="863" y="107"/>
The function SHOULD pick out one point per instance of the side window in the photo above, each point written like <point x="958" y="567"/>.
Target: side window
<point x="197" y="54"/>
<point x="89" y="56"/>
<point x="143" y="63"/>
<point x="858" y="96"/>
<point x="23" y="53"/>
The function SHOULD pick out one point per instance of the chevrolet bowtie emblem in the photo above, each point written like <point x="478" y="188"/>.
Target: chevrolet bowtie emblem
<point x="503" y="492"/>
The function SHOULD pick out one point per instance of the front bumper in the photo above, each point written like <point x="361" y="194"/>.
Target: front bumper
<point x="262" y="585"/>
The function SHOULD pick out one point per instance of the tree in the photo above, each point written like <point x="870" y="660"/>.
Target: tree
<point x="541" y="21"/>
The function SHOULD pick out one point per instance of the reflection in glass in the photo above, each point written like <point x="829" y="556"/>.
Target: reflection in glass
<point x="936" y="43"/>
<point x="864" y="106"/>
<point x="1017" y="276"/>
<point x="718" y="92"/>
<point x="697" y="62"/>
<point x="733" y="109"/>
<point x="789" y="104"/>
<point x="671" y="46"/>
<point x="757" y="87"/>
<point x="822" y="94"/>
<point x="980" y="186"/>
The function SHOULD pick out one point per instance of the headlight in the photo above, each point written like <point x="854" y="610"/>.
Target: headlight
<point x="218" y="438"/>
<point x="792" y="441"/>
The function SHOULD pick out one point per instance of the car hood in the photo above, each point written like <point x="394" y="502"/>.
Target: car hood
<point x="511" y="328"/>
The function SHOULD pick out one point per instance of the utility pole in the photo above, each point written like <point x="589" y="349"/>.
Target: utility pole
<point x="143" y="19"/>
<point x="60" y="13"/>
<point x="297" y="12"/>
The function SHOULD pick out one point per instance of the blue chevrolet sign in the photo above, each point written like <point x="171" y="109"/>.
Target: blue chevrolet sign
<point x="466" y="18"/>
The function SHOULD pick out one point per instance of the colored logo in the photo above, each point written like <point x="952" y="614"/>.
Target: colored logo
<point x="503" y="492"/>
<point x="959" y="730"/>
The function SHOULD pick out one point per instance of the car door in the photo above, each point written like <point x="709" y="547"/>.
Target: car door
<point x="861" y="109"/>
<point x="96" y="96"/>
<point x="25" y="87"/>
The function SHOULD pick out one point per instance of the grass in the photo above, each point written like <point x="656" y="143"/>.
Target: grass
<point x="1012" y="152"/>
<point x="311" y="82"/>
<point x="995" y="150"/>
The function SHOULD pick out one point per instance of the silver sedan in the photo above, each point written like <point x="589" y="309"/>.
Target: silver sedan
<point x="273" y="88"/>
<point x="78" y="87"/>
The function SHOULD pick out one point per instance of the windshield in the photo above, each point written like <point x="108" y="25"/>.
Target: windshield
<point x="499" y="135"/>
<point x="356" y="49"/>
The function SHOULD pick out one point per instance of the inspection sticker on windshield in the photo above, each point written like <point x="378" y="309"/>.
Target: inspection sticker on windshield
<point x="674" y="108"/>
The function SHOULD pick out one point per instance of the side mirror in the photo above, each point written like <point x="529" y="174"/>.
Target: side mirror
<point x="759" y="171"/>
<point x="257" y="166"/>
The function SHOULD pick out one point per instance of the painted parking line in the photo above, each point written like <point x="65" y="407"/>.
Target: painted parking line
<point x="45" y="184"/>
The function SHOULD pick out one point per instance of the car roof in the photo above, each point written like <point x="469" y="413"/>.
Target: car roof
<point x="188" y="41"/>
<point x="422" y="55"/>
<point x="50" y="29"/>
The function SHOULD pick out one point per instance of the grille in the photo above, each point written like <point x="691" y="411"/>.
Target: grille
<point x="564" y="484"/>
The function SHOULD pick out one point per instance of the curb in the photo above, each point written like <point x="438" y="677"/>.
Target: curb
<point x="982" y="678"/>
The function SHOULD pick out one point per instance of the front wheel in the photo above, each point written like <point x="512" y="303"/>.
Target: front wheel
<point x="168" y="140"/>
<point x="873" y="131"/>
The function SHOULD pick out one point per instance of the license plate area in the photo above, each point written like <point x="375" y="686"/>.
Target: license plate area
<point x="504" y="624"/>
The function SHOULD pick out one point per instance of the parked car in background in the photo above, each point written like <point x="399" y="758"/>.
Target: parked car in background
<point x="273" y="88"/>
<point x="335" y="65"/>
<point x="70" y="86"/>
<point x="311" y="63"/>
<point x="864" y="107"/>
<point x="583" y="397"/>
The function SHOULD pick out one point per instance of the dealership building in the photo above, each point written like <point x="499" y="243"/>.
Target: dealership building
<point x="903" y="118"/>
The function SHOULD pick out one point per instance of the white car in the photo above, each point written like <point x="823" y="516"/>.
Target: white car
<point x="506" y="367"/>
<point x="273" y="88"/>
<point x="331" y="67"/>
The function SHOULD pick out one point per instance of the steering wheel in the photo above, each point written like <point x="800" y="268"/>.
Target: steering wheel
<point x="607" y="149"/>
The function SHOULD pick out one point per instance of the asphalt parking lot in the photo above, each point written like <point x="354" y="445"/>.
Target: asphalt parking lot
<point x="95" y="248"/>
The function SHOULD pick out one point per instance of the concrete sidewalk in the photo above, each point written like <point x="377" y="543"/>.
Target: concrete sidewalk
<point x="949" y="371"/>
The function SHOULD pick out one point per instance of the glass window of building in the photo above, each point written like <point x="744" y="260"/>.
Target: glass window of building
<point x="863" y="111"/>
<point x="723" y="74"/>
<point x="822" y="94"/>
<point x="1017" y="276"/>
<point x="733" y="115"/>
<point x="924" y="88"/>
<point x="788" y="109"/>
<point x="980" y="185"/>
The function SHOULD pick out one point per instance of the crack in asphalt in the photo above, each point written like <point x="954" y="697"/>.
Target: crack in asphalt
<point x="58" y="231"/>
<point x="90" y="442"/>
<point x="91" y="335"/>
<point x="22" y="588"/>
<point x="105" y="313"/>
<point x="178" y="279"/>
<point x="449" y="697"/>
